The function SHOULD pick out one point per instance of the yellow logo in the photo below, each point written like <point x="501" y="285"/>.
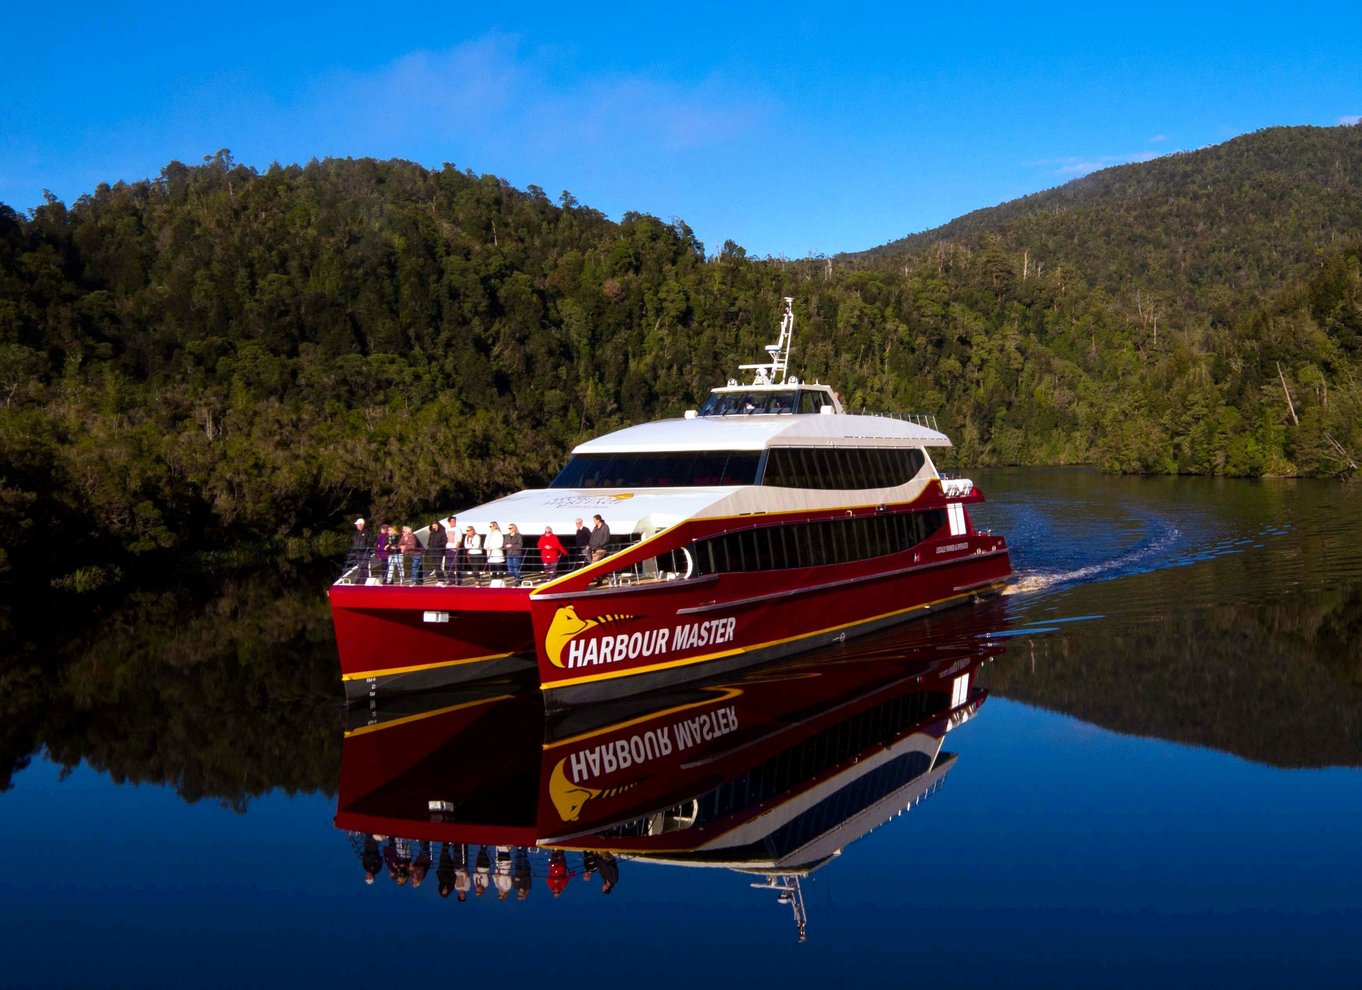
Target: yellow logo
<point x="621" y="498"/>
<point x="566" y="626"/>
<point x="569" y="798"/>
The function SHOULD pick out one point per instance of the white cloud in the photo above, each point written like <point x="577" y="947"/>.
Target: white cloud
<point x="487" y="97"/>
<point x="1349" y="121"/>
<point x="419" y="94"/>
<point x="640" y="114"/>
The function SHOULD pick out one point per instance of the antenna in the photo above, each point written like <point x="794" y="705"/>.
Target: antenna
<point x="791" y="893"/>
<point x="773" y="372"/>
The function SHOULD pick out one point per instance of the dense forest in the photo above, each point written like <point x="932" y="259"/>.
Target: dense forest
<point x="1189" y="237"/>
<point x="221" y="356"/>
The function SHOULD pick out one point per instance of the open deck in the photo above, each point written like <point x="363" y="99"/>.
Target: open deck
<point x="454" y="568"/>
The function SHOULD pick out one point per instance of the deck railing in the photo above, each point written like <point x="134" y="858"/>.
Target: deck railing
<point x="455" y="566"/>
<point x="918" y="419"/>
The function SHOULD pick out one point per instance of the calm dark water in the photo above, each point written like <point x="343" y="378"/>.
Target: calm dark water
<point x="1161" y="787"/>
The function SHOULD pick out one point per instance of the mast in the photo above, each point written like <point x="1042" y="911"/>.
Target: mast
<point x="773" y="372"/>
<point x="791" y="893"/>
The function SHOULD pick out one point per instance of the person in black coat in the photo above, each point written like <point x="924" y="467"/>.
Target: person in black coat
<point x="580" y="553"/>
<point x="436" y="541"/>
<point x="610" y="872"/>
<point x="359" y="552"/>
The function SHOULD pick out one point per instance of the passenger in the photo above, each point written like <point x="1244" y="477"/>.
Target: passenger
<point x="495" y="544"/>
<point x="581" y="542"/>
<point x="610" y="872"/>
<point x="397" y="854"/>
<point x="559" y="874"/>
<point x="436" y="542"/>
<point x="520" y="873"/>
<point x="445" y="871"/>
<point x="550" y="550"/>
<point x="482" y="872"/>
<point x="463" y="880"/>
<point x="418" y="557"/>
<point x="360" y="552"/>
<point x="381" y="550"/>
<point x="472" y="553"/>
<point x="396" y="574"/>
<point x="371" y="859"/>
<point x="452" y="551"/>
<point x="421" y="865"/>
<point x="501" y="876"/>
<point x="407" y="547"/>
<point x="599" y="540"/>
<point x="515" y="552"/>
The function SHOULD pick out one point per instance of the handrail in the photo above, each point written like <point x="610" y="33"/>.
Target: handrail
<point x="919" y="419"/>
<point x="456" y="567"/>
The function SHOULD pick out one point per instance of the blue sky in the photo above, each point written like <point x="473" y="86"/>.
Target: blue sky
<point x="790" y="128"/>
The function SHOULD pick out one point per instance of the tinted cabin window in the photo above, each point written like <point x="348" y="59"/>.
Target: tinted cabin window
<point x="660" y="470"/>
<point x="846" y="468"/>
<point x="813" y="544"/>
<point x="754" y="403"/>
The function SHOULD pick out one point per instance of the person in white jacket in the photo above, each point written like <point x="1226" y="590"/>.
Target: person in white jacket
<point x="473" y="552"/>
<point x="494" y="544"/>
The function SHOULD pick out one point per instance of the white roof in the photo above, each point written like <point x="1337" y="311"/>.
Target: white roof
<point x="624" y="510"/>
<point x="712" y="433"/>
<point x="648" y="510"/>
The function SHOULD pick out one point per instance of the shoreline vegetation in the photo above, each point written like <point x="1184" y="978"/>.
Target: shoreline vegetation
<point x="224" y="358"/>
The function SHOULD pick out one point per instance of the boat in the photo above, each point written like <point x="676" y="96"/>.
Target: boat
<point x="771" y="772"/>
<point x="767" y="522"/>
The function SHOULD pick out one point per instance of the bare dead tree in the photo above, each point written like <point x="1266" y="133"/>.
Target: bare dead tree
<point x="1289" y="404"/>
<point x="1342" y="453"/>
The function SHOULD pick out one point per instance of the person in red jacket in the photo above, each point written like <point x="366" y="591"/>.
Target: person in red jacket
<point x="550" y="552"/>
<point x="559" y="874"/>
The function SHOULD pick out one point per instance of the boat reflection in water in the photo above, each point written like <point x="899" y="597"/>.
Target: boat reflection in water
<point x="771" y="773"/>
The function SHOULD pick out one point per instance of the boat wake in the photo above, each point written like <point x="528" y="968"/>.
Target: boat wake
<point x="1106" y="553"/>
<point x="1148" y="557"/>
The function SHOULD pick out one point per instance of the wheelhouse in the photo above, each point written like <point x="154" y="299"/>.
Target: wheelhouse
<point x="769" y="400"/>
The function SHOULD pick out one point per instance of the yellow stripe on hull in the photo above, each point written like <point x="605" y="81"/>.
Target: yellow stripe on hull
<point x="688" y="661"/>
<point x="369" y="674"/>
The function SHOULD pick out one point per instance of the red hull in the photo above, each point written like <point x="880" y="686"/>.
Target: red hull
<point x="659" y="635"/>
<point x="417" y="638"/>
<point x="591" y="639"/>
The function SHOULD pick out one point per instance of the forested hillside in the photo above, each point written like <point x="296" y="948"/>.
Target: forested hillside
<point x="219" y="355"/>
<point x="1190" y="238"/>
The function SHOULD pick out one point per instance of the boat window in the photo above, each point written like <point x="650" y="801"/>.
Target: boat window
<point x="810" y="402"/>
<point x="659" y="470"/>
<point x="753" y="403"/>
<point x="859" y="474"/>
<point x="813" y="544"/>
<point x="845" y="468"/>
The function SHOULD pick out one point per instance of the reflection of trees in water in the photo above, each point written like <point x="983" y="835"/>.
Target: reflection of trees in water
<point x="231" y="690"/>
<point x="1280" y="684"/>
<point x="226" y="691"/>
